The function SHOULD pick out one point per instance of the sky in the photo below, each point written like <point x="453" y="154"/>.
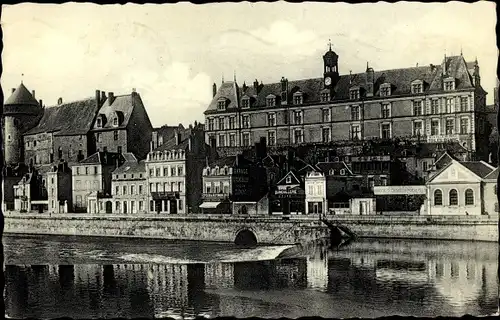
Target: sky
<point x="171" y="54"/>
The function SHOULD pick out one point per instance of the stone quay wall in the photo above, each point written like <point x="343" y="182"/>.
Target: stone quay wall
<point x="267" y="230"/>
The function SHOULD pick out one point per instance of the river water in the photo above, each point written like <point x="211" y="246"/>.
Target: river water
<point x="91" y="277"/>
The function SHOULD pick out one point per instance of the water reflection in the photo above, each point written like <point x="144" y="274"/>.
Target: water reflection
<point x="368" y="279"/>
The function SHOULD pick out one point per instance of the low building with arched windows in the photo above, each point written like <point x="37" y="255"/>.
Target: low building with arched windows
<point x="463" y="188"/>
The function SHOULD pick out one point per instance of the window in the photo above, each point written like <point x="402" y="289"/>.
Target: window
<point x="417" y="88"/>
<point x="132" y="189"/>
<point x="297" y="117"/>
<point x="180" y="204"/>
<point x="383" y="181"/>
<point x="246" y="139"/>
<point x="34" y="143"/>
<point x="453" y="197"/>
<point x="326" y="115"/>
<point x="271" y="138"/>
<point x="245" y="103"/>
<point x="271" y="119"/>
<point x="271" y="102"/>
<point x="140" y="189"/>
<point x="417" y="128"/>
<point x="208" y="187"/>
<point x="151" y="189"/>
<point x="226" y="188"/>
<point x="469" y="197"/>
<point x="211" y="124"/>
<point x="180" y="170"/>
<point x="424" y="166"/>
<point x="450" y="105"/>
<point x="232" y="122"/>
<point x="326" y="134"/>
<point x="221" y="105"/>
<point x="449" y="85"/>
<point x="117" y="206"/>
<point x="450" y="126"/>
<point x="355" y="113"/>
<point x="386" y="110"/>
<point x="180" y="186"/>
<point x="141" y="206"/>
<point x="115" y="122"/>
<point x="325" y="97"/>
<point x="297" y="99"/>
<point x="246" y="121"/>
<point x="98" y="137"/>
<point x="124" y="189"/>
<point x="173" y="171"/>
<point x="157" y="172"/>
<point x="385" y="91"/>
<point x="221" y="123"/>
<point x="435" y="106"/>
<point x="165" y="186"/>
<point x="232" y="140"/>
<point x="86" y="170"/>
<point x="222" y="141"/>
<point x="77" y="170"/>
<point x="438" y="198"/>
<point x="417" y="108"/>
<point x="355" y="132"/>
<point x="288" y="179"/>
<point x="495" y="189"/>
<point x="386" y="131"/>
<point x="342" y="172"/>
<point x="298" y="136"/>
<point x="115" y="135"/>
<point x="99" y="122"/>
<point x="434" y="127"/>
<point x="464" y="101"/>
<point x="354" y="94"/>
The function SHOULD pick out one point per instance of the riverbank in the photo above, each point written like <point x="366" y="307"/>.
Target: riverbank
<point x="267" y="229"/>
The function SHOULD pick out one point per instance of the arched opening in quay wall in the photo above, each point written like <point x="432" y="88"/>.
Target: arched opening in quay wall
<point x="245" y="238"/>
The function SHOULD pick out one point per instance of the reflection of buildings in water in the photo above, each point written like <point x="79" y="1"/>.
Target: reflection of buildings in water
<point x="219" y="275"/>
<point x="290" y="273"/>
<point x="463" y="282"/>
<point x="317" y="272"/>
<point x="168" y="287"/>
<point x="363" y="261"/>
<point x="414" y="272"/>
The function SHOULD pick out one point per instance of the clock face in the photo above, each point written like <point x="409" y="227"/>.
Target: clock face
<point x="328" y="81"/>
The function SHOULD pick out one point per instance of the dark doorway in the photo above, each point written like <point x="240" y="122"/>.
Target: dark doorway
<point x="109" y="207"/>
<point x="213" y="142"/>
<point x="244" y="210"/>
<point x="246" y="238"/>
<point x="173" y="206"/>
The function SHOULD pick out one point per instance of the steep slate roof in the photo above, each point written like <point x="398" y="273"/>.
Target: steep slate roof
<point x="172" y="145"/>
<point x="325" y="167"/>
<point x="478" y="167"/>
<point x="67" y="119"/>
<point x="103" y="158"/>
<point x="427" y="150"/>
<point x="21" y="96"/>
<point x="229" y="161"/>
<point x="492" y="175"/>
<point x="123" y="104"/>
<point x="400" y="80"/>
<point x="131" y="167"/>
<point x="166" y="131"/>
<point x="129" y="156"/>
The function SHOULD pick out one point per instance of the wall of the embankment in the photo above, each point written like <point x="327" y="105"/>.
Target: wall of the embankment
<point x="268" y="230"/>
<point x="474" y="228"/>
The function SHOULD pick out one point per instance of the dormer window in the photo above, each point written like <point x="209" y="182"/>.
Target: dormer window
<point x="221" y="104"/>
<point x="288" y="179"/>
<point x="449" y="84"/>
<point x="417" y="87"/>
<point x="342" y="172"/>
<point x="271" y="100"/>
<point x="331" y="172"/>
<point x="297" y="98"/>
<point x="385" y="90"/>
<point x="115" y="122"/>
<point x="99" y="123"/>
<point x="354" y="93"/>
<point x="245" y="102"/>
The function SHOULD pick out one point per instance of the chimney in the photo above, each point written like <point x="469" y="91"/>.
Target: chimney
<point x="370" y="80"/>
<point x="177" y="137"/>
<point x="151" y="146"/>
<point x="244" y="86"/>
<point x="33" y="93"/>
<point x="256" y="85"/>
<point x="13" y="89"/>
<point x="59" y="101"/>
<point x="103" y="96"/>
<point x="350" y="76"/>
<point x="214" y="90"/>
<point x="98" y="97"/>
<point x="111" y="97"/>
<point x="190" y="143"/>
<point x="40" y="102"/>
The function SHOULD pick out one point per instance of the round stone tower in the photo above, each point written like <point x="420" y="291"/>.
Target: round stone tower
<point x="21" y="112"/>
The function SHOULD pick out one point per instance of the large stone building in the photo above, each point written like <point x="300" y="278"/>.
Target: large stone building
<point x="431" y="103"/>
<point x="59" y="188"/>
<point x="122" y="125"/>
<point x="129" y="188"/>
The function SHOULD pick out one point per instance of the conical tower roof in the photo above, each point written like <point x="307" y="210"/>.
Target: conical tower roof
<point x="21" y="96"/>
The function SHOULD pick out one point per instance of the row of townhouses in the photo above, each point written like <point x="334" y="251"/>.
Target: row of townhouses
<point x="335" y="144"/>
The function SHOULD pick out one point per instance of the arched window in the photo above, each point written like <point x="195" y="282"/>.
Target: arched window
<point x="469" y="197"/>
<point x="438" y="198"/>
<point x="453" y="197"/>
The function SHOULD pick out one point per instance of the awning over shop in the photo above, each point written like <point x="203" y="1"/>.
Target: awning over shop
<point x="209" y="205"/>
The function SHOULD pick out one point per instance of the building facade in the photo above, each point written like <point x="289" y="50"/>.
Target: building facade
<point x="122" y="125"/>
<point x="129" y="188"/>
<point x="59" y="187"/>
<point x="460" y="188"/>
<point x="431" y="103"/>
<point x="315" y="189"/>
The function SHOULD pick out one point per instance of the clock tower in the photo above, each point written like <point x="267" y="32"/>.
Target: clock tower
<point x="330" y="68"/>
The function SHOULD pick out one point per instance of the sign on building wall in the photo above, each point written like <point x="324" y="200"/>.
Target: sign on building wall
<point x="394" y="190"/>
